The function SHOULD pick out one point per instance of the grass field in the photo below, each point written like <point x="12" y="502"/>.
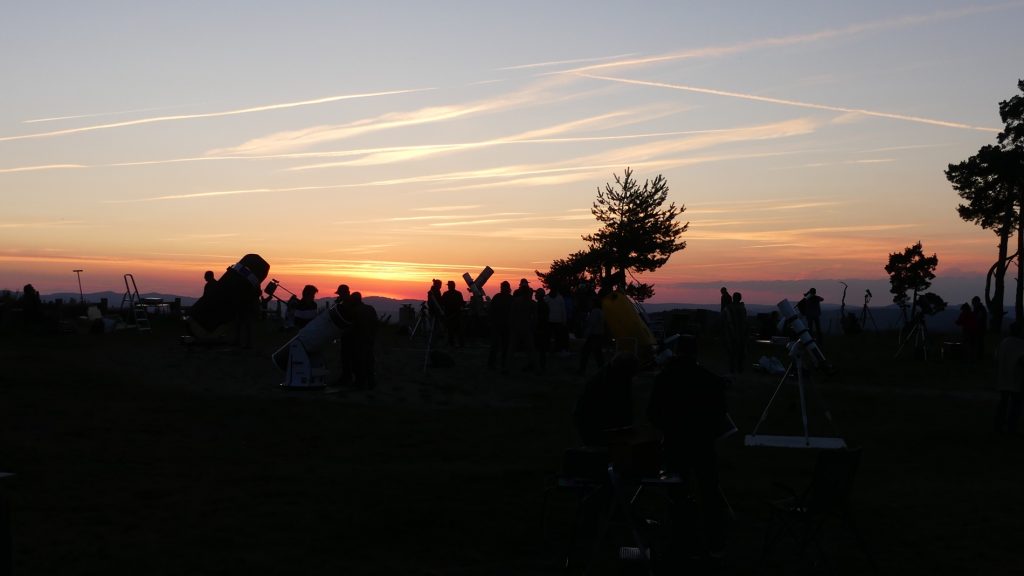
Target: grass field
<point x="134" y="454"/>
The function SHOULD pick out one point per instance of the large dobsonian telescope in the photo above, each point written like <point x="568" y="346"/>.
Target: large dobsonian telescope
<point x="236" y="292"/>
<point x="302" y="357"/>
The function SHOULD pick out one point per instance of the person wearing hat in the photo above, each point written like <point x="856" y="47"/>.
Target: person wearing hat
<point x="524" y="289"/>
<point x="343" y="293"/>
<point x="810" y="307"/>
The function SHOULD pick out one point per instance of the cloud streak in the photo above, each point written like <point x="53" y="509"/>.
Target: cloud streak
<point x="280" y="142"/>
<point x="795" y="39"/>
<point x="564" y="62"/>
<point x="177" y="117"/>
<point x="41" y="168"/>
<point x="795" y="103"/>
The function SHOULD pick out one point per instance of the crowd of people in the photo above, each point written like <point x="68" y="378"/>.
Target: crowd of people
<point x="533" y="324"/>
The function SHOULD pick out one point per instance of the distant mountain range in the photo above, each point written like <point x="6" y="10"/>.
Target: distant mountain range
<point x="885" y="317"/>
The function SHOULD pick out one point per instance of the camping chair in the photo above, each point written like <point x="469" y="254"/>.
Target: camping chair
<point x="802" y="517"/>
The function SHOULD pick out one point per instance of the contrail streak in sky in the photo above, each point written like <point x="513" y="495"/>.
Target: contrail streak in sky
<point x="208" y="114"/>
<point x="797" y="103"/>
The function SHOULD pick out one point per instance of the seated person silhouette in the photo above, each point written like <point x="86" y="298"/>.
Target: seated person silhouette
<point x="688" y="405"/>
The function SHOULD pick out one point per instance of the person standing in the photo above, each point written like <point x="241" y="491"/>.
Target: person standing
<point x="347" y="352"/>
<point x="31" y="305"/>
<point x="737" y="334"/>
<point x="522" y="322"/>
<point x="810" y="307"/>
<point x="542" y="335"/>
<point x="558" y="321"/>
<point x="364" y="334"/>
<point x="980" y="326"/>
<point x="594" y="332"/>
<point x="968" y="331"/>
<point x="498" y="312"/>
<point x="452" y="304"/>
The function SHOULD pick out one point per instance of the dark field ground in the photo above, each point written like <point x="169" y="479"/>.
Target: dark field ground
<point x="136" y="455"/>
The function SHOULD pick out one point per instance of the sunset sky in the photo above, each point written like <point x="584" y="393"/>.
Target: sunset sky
<point x="383" y="144"/>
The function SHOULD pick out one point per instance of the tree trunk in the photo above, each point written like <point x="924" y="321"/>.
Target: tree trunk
<point x="995" y="307"/>
<point x="1019" y="300"/>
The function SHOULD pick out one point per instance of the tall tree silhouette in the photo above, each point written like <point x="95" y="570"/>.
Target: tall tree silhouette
<point x="1011" y="112"/>
<point x="992" y="183"/>
<point x="638" y="233"/>
<point x="911" y="271"/>
<point x="988" y="183"/>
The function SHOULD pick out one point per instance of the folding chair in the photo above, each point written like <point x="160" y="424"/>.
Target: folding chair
<point x="803" y="517"/>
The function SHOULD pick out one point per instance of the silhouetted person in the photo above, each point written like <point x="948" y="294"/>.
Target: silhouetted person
<point x="364" y="334"/>
<point x="475" y="316"/>
<point x="210" y="282"/>
<point x="522" y="320"/>
<point x="558" y="306"/>
<point x="584" y="299"/>
<point x="980" y="325"/>
<point x="968" y="331"/>
<point x="342" y="294"/>
<point x="810" y="307"/>
<point x="688" y="405"/>
<point x="346" y="345"/>
<point x="31" y="305"/>
<point x="542" y="330"/>
<point x="498" y="312"/>
<point x="434" y="307"/>
<point x="594" y="334"/>
<point x="349" y="309"/>
<point x="736" y="331"/>
<point x="304" y="309"/>
<point x="725" y="319"/>
<point x="1009" y="376"/>
<point x="604" y="411"/>
<point x="452" y="304"/>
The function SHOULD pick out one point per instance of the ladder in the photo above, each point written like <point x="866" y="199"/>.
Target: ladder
<point x="132" y="303"/>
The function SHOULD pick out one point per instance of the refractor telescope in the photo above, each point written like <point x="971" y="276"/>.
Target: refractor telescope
<point x="802" y="343"/>
<point x="792" y="322"/>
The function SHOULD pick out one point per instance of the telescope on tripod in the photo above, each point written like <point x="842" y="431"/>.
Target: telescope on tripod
<point x="802" y="347"/>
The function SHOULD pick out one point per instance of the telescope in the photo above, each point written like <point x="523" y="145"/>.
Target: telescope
<point x="271" y="291"/>
<point x="236" y="289"/>
<point x="803" y="342"/>
<point x="477" y="286"/>
<point x="302" y="357"/>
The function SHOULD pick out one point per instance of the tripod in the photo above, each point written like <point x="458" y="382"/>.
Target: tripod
<point x="919" y="334"/>
<point x="865" y="313"/>
<point x="796" y="353"/>
<point x="428" y="321"/>
<point x="421" y="320"/>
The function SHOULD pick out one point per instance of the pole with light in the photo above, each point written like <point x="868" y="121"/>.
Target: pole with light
<point x="81" y="294"/>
